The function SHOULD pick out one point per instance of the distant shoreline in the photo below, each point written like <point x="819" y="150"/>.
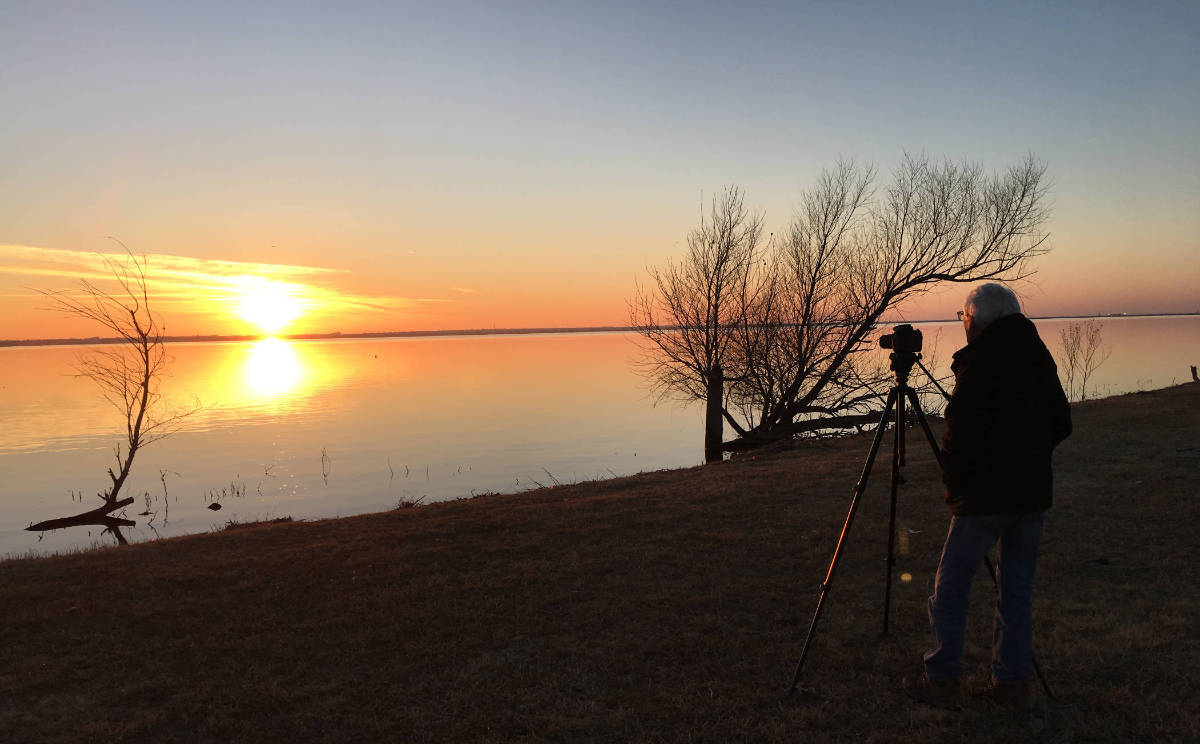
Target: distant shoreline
<point x="336" y="335"/>
<point x="95" y="340"/>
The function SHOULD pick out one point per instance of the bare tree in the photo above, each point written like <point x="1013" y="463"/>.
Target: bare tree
<point x="794" y="359"/>
<point x="1083" y="353"/>
<point x="127" y="371"/>
<point x="799" y="324"/>
<point x="693" y="309"/>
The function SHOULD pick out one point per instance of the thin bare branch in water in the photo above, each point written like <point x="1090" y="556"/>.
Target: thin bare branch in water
<point x="162" y="474"/>
<point x="215" y="496"/>
<point x="326" y="464"/>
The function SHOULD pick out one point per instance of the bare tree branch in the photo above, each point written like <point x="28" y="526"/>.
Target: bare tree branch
<point x="1083" y="353"/>
<point x="128" y="374"/>
<point x="789" y="324"/>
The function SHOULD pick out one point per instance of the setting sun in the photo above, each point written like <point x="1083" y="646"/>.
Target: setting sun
<point x="268" y="304"/>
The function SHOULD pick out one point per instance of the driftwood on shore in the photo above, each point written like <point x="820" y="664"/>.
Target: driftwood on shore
<point x="99" y="517"/>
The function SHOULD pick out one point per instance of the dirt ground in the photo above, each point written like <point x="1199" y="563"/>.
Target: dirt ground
<point x="668" y="606"/>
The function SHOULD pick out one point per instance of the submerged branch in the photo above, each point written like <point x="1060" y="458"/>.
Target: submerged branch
<point x="100" y="517"/>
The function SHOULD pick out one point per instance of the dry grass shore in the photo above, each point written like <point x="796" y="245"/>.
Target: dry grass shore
<point x="663" y="607"/>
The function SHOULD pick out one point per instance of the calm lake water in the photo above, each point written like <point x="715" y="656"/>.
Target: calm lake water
<point x="333" y="428"/>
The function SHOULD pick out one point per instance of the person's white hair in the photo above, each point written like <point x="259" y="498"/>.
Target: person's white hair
<point x="988" y="303"/>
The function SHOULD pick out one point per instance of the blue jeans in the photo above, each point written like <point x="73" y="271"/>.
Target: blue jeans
<point x="967" y="542"/>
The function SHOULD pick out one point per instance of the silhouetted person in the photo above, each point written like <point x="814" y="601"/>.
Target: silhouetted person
<point x="1006" y="415"/>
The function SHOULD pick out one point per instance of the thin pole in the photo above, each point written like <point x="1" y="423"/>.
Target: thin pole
<point x="859" y="488"/>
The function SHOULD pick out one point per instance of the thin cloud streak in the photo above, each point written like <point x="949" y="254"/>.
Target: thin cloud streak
<point x="203" y="282"/>
<point x="167" y="262"/>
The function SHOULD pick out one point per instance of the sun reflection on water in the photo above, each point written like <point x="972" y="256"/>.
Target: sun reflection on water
<point x="272" y="369"/>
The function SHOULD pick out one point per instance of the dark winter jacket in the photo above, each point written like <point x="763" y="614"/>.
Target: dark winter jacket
<point x="1007" y="413"/>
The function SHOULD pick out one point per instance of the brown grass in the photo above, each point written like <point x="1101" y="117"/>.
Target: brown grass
<point x="663" y="607"/>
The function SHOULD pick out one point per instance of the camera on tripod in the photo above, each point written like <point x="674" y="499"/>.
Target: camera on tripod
<point x="903" y="338"/>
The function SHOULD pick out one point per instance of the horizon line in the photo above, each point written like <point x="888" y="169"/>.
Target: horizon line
<point x="334" y="335"/>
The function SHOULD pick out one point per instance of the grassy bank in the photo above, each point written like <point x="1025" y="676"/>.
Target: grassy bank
<point x="663" y="607"/>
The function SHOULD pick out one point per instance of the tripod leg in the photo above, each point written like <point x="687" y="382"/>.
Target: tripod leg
<point x="991" y="569"/>
<point x="987" y="560"/>
<point x="859" y="488"/>
<point x="897" y="461"/>
<point x="916" y="404"/>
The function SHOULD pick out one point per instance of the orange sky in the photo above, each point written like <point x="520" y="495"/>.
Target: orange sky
<point x="531" y="286"/>
<point x="204" y="296"/>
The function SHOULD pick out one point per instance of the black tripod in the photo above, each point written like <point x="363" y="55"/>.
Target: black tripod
<point x="902" y="363"/>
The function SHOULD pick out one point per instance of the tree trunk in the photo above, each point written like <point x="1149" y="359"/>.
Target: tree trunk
<point x="713" y="421"/>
